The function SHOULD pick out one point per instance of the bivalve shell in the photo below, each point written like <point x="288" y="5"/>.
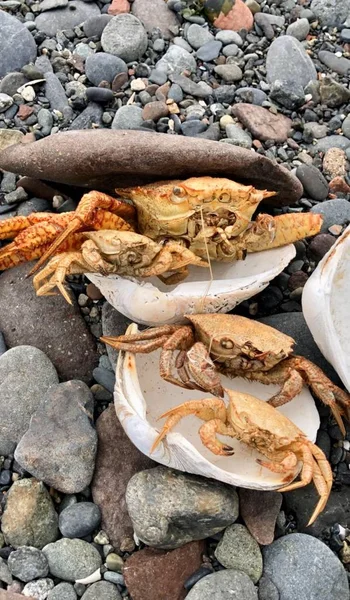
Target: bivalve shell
<point x="153" y="303"/>
<point x="141" y="396"/>
<point x="325" y="303"/>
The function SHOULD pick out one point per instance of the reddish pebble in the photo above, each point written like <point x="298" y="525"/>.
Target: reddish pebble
<point x="24" y="111"/>
<point x="93" y="292"/>
<point x="152" y="574"/>
<point x="118" y="81"/>
<point x="239" y="17"/>
<point x="119" y="7"/>
<point x="297" y="280"/>
<point x="338" y="185"/>
<point x="155" y="111"/>
<point x="259" y="510"/>
<point x="320" y="245"/>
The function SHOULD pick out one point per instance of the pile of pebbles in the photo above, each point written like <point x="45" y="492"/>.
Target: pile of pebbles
<point x="73" y="490"/>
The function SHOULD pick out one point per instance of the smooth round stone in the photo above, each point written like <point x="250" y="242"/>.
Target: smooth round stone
<point x="193" y="127"/>
<point x="314" y="184"/>
<point x="5" y="477"/>
<point x="103" y="67"/>
<point x="114" y="562"/>
<point x="197" y="36"/>
<point x="287" y="61"/>
<point x="175" y="93"/>
<point x="94" y="26"/>
<point x="52" y="21"/>
<point x="238" y="549"/>
<point x="72" y="559"/>
<point x="62" y="591"/>
<point x="38" y="589"/>
<point x="345" y="35"/>
<point x="230" y="50"/>
<point x="125" y="37"/>
<point x="79" y="520"/>
<point x="251" y="95"/>
<point x="346" y="125"/>
<point x="331" y="141"/>
<point x="17" y="45"/>
<point x="11" y="82"/>
<point x="28" y="563"/>
<point x="229" y="37"/>
<point x="159" y="45"/>
<point x="229" y="72"/>
<point x="127" y="117"/>
<point x="97" y="94"/>
<point x="102" y="590"/>
<point x="238" y="136"/>
<point x="5" y="102"/>
<point x="334" y="212"/>
<point x="224" y="585"/>
<point x="299" y="29"/>
<point x="301" y="566"/>
<point x="209" y="51"/>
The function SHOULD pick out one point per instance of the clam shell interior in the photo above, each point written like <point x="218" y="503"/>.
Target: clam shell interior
<point x="152" y="302"/>
<point x="325" y="303"/>
<point x="141" y="396"/>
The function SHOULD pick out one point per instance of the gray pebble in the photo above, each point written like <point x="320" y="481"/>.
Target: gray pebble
<point x="209" y="51"/>
<point x="193" y="127"/>
<point x="62" y="591"/>
<point x="229" y="37"/>
<point x="93" y="27"/>
<point x="79" y="520"/>
<point x="158" y="76"/>
<point x="105" y="377"/>
<point x="339" y="64"/>
<point x="38" y="589"/>
<point x="11" y="82"/>
<point x="102" y="590"/>
<point x="224" y="585"/>
<point x="103" y="67"/>
<point x="238" y="137"/>
<point x="128" y="117"/>
<point x="197" y="36"/>
<point x="332" y="141"/>
<point x="346" y="126"/>
<point x="72" y="559"/>
<point x="114" y="577"/>
<point x="230" y="50"/>
<point x="299" y="29"/>
<point x="28" y="563"/>
<point x="175" y="93"/>
<point x="125" y="37"/>
<point x="97" y="94"/>
<point x="334" y="212"/>
<point x="17" y="46"/>
<point x="177" y="60"/>
<point x="238" y="549"/>
<point x="251" y="95"/>
<point x="45" y="120"/>
<point x="315" y="185"/>
<point x="229" y="72"/>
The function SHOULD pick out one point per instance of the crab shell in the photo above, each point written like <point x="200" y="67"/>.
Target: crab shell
<point x="140" y="396"/>
<point x="239" y="331"/>
<point x="153" y="303"/>
<point x="325" y="303"/>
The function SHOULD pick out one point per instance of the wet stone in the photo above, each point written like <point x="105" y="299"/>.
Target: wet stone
<point x="218" y="507"/>
<point x="79" y="520"/>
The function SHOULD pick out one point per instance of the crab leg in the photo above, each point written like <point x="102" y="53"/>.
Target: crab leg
<point x="208" y="409"/>
<point x="9" y="228"/>
<point x="84" y="216"/>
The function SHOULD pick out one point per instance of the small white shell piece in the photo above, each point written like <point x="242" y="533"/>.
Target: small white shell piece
<point x="326" y="302"/>
<point x="153" y="303"/>
<point x="141" y="396"/>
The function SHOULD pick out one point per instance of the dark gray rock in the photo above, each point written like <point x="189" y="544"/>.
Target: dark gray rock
<point x="29" y="518"/>
<point x="193" y="128"/>
<point x="103" y="67"/>
<point x="125" y="36"/>
<point x="314" y="184"/>
<point x="95" y="25"/>
<point x="346" y="126"/>
<point x="79" y="520"/>
<point x="60" y="445"/>
<point x="88" y="119"/>
<point x="97" y="94"/>
<point x="199" y="90"/>
<point x="176" y="60"/>
<point x="332" y="12"/>
<point x="59" y="19"/>
<point x="11" y="82"/>
<point x="28" y="563"/>
<point x="302" y="567"/>
<point x="62" y="591"/>
<point x="102" y="590"/>
<point x="345" y="35"/>
<point x="268" y="590"/>
<point x="332" y="93"/>
<point x="287" y="61"/>
<point x="294" y="325"/>
<point x="209" y="51"/>
<point x="332" y="141"/>
<point x="285" y="93"/>
<point x="251" y="95"/>
<point x="339" y="64"/>
<point x="238" y="550"/>
<point x="334" y="212"/>
<point x="26" y="373"/>
<point x="224" y="585"/>
<point x="56" y="95"/>
<point x="169" y="508"/>
<point x="72" y="559"/>
<point x="17" y="45"/>
<point x="128" y="117"/>
<point x="57" y="328"/>
<point x="299" y="29"/>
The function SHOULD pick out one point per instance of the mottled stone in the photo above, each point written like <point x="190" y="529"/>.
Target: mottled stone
<point x="29" y="518"/>
<point x="72" y="559"/>
<point x="147" y="571"/>
<point x="116" y="462"/>
<point x="60" y="445"/>
<point x="28" y="563"/>
<point x="57" y="328"/>
<point x="334" y="162"/>
<point x="169" y="508"/>
<point x="262" y="123"/>
<point x="228" y="584"/>
<point x="237" y="549"/>
<point x="78" y="158"/>
<point x="155" y="14"/>
<point x="125" y="37"/>
<point x="332" y="12"/>
<point x="259" y="510"/>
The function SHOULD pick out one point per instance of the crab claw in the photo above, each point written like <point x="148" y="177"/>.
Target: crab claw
<point x="272" y="232"/>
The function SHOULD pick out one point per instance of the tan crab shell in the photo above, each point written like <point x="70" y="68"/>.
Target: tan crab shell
<point x="141" y="396"/>
<point x="325" y="304"/>
<point x="153" y="303"/>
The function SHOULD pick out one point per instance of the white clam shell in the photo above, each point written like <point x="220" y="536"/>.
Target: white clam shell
<point x="141" y="396"/>
<point x="153" y="303"/>
<point x="325" y="304"/>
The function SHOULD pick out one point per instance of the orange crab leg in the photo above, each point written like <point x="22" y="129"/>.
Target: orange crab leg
<point x="85" y="216"/>
<point x="13" y="255"/>
<point x="9" y="228"/>
<point x="272" y="232"/>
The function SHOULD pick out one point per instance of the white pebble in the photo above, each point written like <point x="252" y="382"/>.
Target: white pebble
<point x="28" y="93"/>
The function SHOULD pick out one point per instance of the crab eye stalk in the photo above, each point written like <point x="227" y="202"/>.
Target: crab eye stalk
<point x="227" y="343"/>
<point x="178" y="194"/>
<point x="224" y="197"/>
